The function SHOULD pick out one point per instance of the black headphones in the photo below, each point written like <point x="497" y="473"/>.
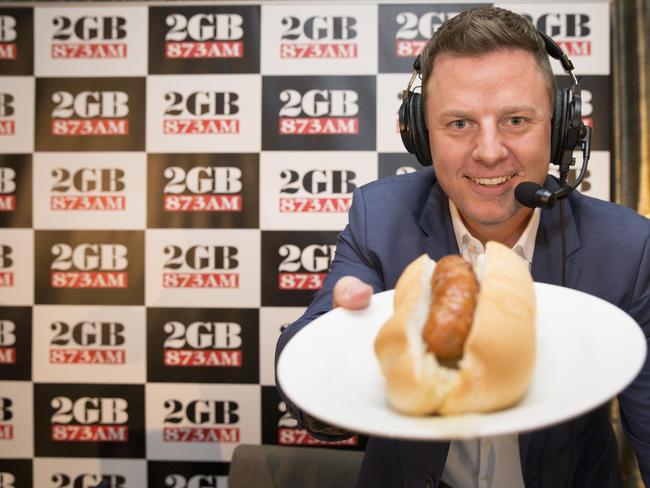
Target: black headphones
<point x="567" y="129"/>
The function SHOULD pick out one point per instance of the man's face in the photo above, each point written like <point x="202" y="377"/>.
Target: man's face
<point x="489" y="120"/>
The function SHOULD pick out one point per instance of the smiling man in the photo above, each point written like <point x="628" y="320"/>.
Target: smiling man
<point x="489" y="132"/>
<point x="489" y="96"/>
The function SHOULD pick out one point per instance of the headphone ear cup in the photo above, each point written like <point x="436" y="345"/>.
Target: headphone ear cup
<point x="405" y="123"/>
<point x="559" y="124"/>
<point x="419" y="131"/>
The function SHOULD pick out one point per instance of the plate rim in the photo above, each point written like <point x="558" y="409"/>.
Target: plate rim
<point x="425" y="435"/>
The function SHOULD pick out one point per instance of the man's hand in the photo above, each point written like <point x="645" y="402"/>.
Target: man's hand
<point x="351" y="293"/>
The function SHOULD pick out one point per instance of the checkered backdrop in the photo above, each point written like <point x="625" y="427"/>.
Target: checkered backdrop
<point x="172" y="181"/>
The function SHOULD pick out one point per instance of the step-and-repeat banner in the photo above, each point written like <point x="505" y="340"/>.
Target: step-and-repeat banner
<point x="172" y="181"/>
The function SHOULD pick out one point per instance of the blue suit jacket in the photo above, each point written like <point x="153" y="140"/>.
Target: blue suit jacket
<point x="394" y="220"/>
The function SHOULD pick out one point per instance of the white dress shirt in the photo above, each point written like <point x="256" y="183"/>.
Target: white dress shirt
<point x="487" y="462"/>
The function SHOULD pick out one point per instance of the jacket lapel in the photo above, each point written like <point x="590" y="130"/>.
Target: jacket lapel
<point x="435" y="222"/>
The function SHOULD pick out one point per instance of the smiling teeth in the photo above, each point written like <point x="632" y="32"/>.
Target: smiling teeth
<point x="491" y="181"/>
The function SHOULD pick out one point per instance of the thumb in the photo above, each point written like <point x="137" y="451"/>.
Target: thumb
<point x="351" y="293"/>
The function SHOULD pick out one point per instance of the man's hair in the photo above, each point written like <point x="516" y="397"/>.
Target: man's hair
<point x="483" y="30"/>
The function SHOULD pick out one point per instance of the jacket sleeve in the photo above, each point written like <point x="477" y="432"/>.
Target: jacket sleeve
<point x="351" y="258"/>
<point x="634" y="401"/>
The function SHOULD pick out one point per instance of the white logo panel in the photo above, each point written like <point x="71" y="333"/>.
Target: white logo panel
<point x="203" y="268"/>
<point x="89" y="344"/>
<point x="16" y="267"/>
<point x="16" y="114"/>
<point x="319" y="39"/>
<point x="207" y="113"/>
<point x="311" y="190"/>
<point x="88" y="473"/>
<point x="389" y="99"/>
<point x="16" y="419"/>
<point x="580" y="29"/>
<point x="201" y="422"/>
<point x="273" y="320"/>
<point x="89" y="190"/>
<point x="82" y="41"/>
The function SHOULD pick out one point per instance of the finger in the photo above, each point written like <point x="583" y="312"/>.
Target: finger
<point x="351" y="293"/>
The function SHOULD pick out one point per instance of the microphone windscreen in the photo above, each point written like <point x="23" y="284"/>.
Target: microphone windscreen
<point x="525" y="193"/>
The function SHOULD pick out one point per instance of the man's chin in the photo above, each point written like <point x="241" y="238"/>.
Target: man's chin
<point x="491" y="219"/>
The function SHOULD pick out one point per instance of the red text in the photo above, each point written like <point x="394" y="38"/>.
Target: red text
<point x="214" y="49"/>
<point x="89" y="279"/>
<point x="301" y="281"/>
<point x="201" y="434"/>
<point x="202" y="203"/>
<point x="88" y="51"/>
<point x="319" y="125"/>
<point x="87" y="202"/>
<point x="323" y="51"/>
<point x="189" y="357"/>
<point x="90" y="433"/>
<point x="95" y="127"/>
<point x="7" y="203"/>
<point x="87" y="356"/>
<point x="200" y="280"/>
<point x="312" y="205"/>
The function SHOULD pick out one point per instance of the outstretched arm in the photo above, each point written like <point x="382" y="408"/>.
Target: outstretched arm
<point x="354" y="275"/>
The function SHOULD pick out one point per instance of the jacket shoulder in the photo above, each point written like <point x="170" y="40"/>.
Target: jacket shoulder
<point x="614" y="236"/>
<point x="611" y="219"/>
<point x="409" y="187"/>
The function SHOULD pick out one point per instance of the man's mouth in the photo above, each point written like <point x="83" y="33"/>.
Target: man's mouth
<point x="497" y="180"/>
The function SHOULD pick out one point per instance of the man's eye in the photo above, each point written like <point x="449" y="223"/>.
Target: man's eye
<point x="516" y="121"/>
<point x="459" y="124"/>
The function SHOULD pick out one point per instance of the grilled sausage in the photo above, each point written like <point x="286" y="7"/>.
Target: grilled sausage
<point x="454" y="290"/>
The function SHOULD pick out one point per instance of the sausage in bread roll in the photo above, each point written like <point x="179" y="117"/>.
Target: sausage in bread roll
<point x="471" y="350"/>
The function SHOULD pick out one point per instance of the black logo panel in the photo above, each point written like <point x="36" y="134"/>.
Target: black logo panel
<point x="208" y="191"/>
<point x="89" y="267"/>
<point x="391" y="164"/>
<point x="16" y="473"/>
<point x="90" y="114"/>
<point x="209" y="39"/>
<point x="16" y="41"/>
<point x="318" y="112"/>
<point x="203" y="345"/>
<point x="295" y="265"/>
<point x="89" y="420"/>
<point x="404" y="30"/>
<point x="15" y="343"/>
<point x="15" y="190"/>
<point x="280" y="428"/>
<point x="189" y="474"/>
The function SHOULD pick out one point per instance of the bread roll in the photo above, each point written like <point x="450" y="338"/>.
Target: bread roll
<point x="498" y="355"/>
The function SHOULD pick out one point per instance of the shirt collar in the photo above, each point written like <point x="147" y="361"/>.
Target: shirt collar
<point x="470" y="247"/>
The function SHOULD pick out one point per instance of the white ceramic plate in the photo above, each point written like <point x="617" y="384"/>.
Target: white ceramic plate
<point x="587" y="352"/>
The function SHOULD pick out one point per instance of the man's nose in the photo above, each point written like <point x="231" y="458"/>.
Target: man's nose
<point x="489" y="146"/>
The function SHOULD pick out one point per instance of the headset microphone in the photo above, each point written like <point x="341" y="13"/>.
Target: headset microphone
<point x="531" y="194"/>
